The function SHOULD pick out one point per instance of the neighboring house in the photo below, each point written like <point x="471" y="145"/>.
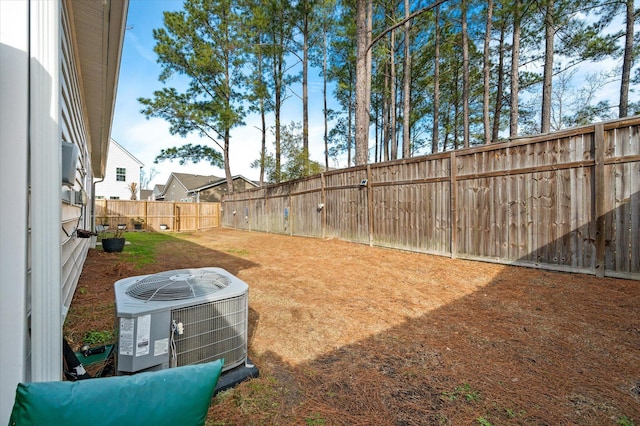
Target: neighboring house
<point x="158" y="190"/>
<point x="122" y="170"/>
<point x="197" y="188"/>
<point x="60" y="63"/>
<point x="146" y="194"/>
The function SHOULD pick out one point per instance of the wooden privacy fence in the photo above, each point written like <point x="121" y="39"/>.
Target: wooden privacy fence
<point x="177" y="216"/>
<point x="566" y="201"/>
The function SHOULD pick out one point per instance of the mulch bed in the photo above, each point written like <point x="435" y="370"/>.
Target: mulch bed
<point x="349" y="334"/>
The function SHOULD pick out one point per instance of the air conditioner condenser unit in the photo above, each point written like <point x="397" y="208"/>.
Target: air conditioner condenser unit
<point x="181" y="317"/>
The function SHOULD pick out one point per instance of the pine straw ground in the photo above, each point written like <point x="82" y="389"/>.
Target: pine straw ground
<point x="346" y="334"/>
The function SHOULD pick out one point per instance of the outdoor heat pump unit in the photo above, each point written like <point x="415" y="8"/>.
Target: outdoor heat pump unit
<point x="181" y="317"/>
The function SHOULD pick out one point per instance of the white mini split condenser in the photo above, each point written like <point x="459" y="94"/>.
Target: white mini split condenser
<point x="181" y="317"/>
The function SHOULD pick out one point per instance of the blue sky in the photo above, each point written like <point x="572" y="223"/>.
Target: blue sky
<point x="145" y="138"/>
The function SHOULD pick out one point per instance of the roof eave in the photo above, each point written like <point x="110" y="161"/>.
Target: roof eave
<point x="100" y="28"/>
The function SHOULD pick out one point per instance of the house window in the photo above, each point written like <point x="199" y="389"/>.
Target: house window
<point x="114" y="198"/>
<point x="121" y="174"/>
<point x="99" y="197"/>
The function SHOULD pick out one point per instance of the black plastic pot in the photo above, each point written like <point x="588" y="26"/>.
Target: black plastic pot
<point x="112" y="245"/>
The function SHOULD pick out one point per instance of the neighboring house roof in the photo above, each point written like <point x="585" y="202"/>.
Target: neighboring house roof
<point x="127" y="152"/>
<point x="195" y="183"/>
<point x="192" y="182"/>
<point x="223" y="181"/>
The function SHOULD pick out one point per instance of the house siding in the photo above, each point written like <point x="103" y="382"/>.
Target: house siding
<point x="111" y="188"/>
<point x="175" y="191"/>
<point x="73" y="126"/>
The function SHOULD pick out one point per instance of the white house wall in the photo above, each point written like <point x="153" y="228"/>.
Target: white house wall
<point x="14" y="146"/>
<point x="41" y="103"/>
<point x="45" y="190"/>
<point x="110" y="188"/>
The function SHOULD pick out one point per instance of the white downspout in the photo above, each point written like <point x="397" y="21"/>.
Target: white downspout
<point x="93" y="204"/>
<point x="46" y="184"/>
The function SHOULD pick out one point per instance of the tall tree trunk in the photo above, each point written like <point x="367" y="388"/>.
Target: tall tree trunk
<point x="277" y="72"/>
<point x="350" y="123"/>
<point x="497" y="112"/>
<point x="227" y="130"/>
<point x="362" y="107"/>
<point x="305" y="92"/>
<point x="406" y="109"/>
<point x="386" y="114"/>
<point x="515" y="64"/>
<point x="547" y="80"/>
<point x="392" y="95"/>
<point x="627" y="61"/>
<point x="436" y="86"/>
<point x="377" y="136"/>
<point x="227" y="167"/>
<point x="456" y="109"/>
<point x="263" y="151"/>
<point x="465" y="76"/>
<point x="368" y="63"/>
<point x="324" y="95"/>
<point x="486" y="72"/>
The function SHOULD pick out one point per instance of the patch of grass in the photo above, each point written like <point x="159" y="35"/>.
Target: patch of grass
<point x="99" y="337"/>
<point x="625" y="421"/>
<point x="241" y="252"/>
<point x="484" y="422"/>
<point x="315" y="420"/>
<point x="513" y="413"/>
<point x="465" y="391"/>
<point x="142" y="250"/>
<point x="257" y="396"/>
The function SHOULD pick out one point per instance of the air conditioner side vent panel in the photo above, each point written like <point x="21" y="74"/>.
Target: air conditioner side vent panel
<point x="213" y="331"/>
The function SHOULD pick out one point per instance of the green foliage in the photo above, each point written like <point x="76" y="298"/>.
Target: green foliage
<point x="99" y="337"/>
<point x="482" y="421"/>
<point x="204" y="43"/>
<point x="464" y="391"/>
<point x="315" y="420"/>
<point x="293" y="155"/>
<point x="192" y="153"/>
<point x="625" y="421"/>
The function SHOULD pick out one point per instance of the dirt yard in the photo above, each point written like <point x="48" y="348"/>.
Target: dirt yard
<point x="346" y="334"/>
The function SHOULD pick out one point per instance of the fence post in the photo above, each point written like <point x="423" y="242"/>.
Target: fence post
<point x="291" y="219"/>
<point x="323" y="200"/>
<point x="454" y="204"/>
<point x="370" y="204"/>
<point x="599" y="198"/>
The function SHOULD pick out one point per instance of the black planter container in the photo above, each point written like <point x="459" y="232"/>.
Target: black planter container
<point x="112" y="245"/>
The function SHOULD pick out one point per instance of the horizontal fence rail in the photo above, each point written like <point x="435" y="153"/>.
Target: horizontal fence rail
<point x="157" y="215"/>
<point x="566" y="201"/>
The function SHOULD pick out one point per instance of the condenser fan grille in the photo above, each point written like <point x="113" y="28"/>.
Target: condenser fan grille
<point x="178" y="285"/>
